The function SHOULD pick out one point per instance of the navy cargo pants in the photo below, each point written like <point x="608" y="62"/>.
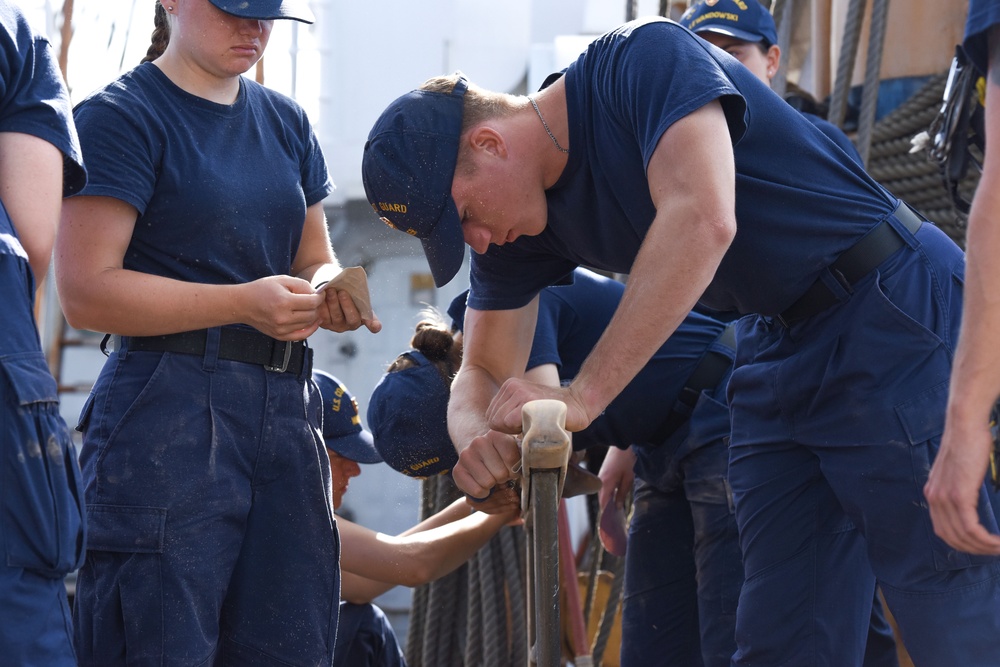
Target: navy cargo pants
<point x="836" y="421"/>
<point x="212" y="538"/>
<point x="41" y="516"/>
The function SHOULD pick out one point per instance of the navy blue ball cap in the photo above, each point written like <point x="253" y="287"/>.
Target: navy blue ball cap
<point x="267" y="10"/>
<point x="407" y="169"/>
<point x="456" y="310"/>
<point x="342" y="427"/>
<point x="748" y="20"/>
<point x="408" y="415"/>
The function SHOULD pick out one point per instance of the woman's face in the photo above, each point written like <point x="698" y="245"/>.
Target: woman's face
<point x="341" y="470"/>
<point x="762" y="63"/>
<point x="218" y="43"/>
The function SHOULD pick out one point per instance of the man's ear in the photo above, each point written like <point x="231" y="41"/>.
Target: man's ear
<point x="486" y="139"/>
<point x="773" y="59"/>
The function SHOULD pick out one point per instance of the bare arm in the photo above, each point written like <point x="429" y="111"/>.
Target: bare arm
<point x="545" y="374"/>
<point x="496" y="347"/>
<point x="97" y="293"/>
<point x="31" y="191"/>
<point x="372" y="563"/>
<point x="958" y="472"/>
<point x="692" y="183"/>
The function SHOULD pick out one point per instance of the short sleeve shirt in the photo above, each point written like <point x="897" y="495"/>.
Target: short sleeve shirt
<point x="33" y="97"/>
<point x="571" y="319"/>
<point x="983" y="15"/>
<point x="800" y="199"/>
<point x="221" y="191"/>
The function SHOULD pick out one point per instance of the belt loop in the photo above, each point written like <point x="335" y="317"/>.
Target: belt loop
<point x="307" y="362"/>
<point x="213" y="336"/>
<point x="121" y="346"/>
<point x="908" y="222"/>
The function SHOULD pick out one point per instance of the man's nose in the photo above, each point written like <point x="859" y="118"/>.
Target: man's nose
<point x="477" y="238"/>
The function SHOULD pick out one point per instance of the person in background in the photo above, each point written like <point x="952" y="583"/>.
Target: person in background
<point x="683" y="568"/>
<point x="953" y="487"/>
<point x="372" y="563"/>
<point x="747" y="32"/>
<point x="42" y="520"/>
<point x="212" y="538"/>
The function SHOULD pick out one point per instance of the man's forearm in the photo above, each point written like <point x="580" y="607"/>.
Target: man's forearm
<point x="654" y="304"/>
<point x="471" y="393"/>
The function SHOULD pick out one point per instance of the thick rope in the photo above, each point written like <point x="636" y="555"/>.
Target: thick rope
<point x="512" y="556"/>
<point x="913" y="177"/>
<point x="474" y="633"/>
<point x="418" y="603"/>
<point x="495" y="648"/>
<point x="845" y="63"/>
<point x="594" y="549"/>
<point x="783" y="19"/>
<point x="474" y="616"/>
<point x="873" y="66"/>
<point x="617" y="568"/>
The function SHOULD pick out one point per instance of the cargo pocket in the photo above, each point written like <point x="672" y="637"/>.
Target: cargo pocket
<point x="120" y="594"/>
<point x="42" y="515"/>
<point x="126" y="528"/>
<point x="922" y="419"/>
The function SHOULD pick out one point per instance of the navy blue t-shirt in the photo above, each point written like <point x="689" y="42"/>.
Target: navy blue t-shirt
<point x="571" y="319"/>
<point x="836" y="135"/>
<point x="983" y="15"/>
<point x="800" y="200"/>
<point x="221" y="190"/>
<point x="33" y="98"/>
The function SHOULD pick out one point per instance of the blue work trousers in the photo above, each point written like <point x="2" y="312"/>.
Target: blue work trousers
<point x="684" y="572"/>
<point x="41" y="514"/>
<point x="683" y="569"/>
<point x="836" y="421"/>
<point x="212" y="539"/>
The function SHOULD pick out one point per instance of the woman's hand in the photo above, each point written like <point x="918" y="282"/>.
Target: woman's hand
<point x="282" y="307"/>
<point x="340" y="313"/>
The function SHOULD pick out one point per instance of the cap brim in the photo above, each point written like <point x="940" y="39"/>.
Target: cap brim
<point x="268" y="10"/>
<point x="358" y="447"/>
<point x="731" y="32"/>
<point x="445" y="247"/>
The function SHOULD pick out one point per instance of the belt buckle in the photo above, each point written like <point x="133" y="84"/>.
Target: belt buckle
<point x="284" y="362"/>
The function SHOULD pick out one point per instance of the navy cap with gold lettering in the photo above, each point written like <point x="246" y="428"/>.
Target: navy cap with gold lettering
<point x="267" y="10"/>
<point x="748" y="20"/>
<point x="407" y="170"/>
<point x="408" y="416"/>
<point x="342" y="429"/>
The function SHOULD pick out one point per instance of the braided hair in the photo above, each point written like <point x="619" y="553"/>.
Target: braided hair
<point x="161" y="35"/>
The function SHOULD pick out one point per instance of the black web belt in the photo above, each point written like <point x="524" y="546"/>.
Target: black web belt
<point x="854" y="264"/>
<point x="251" y="347"/>
<point x="710" y="370"/>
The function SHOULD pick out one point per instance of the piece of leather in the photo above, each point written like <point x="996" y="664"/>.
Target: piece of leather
<point x="580" y="482"/>
<point x="611" y="528"/>
<point x="354" y="281"/>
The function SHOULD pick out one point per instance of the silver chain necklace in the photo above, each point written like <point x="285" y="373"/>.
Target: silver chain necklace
<point x="546" y="126"/>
